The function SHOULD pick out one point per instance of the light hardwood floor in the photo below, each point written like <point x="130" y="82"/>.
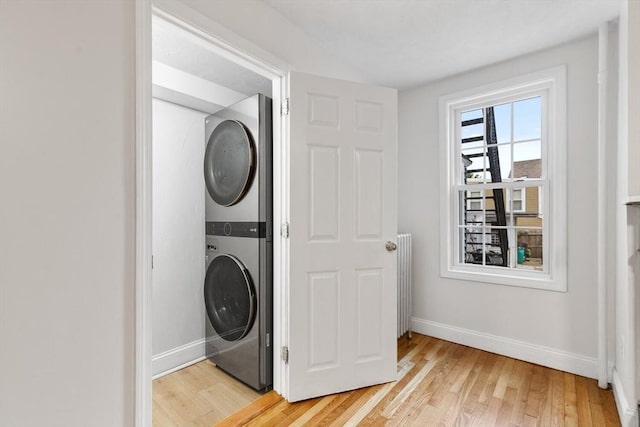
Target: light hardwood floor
<point x="199" y="395"/>
<point x="442" y="384"/>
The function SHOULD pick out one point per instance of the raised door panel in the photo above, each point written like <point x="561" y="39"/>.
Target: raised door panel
<point x="368" y="196"/>
<point x="324" y="183"/>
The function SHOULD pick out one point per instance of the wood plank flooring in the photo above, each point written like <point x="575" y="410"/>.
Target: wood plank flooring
<point x="439" y="384"/>
<point x="198" y="395"/>
<point x="445" y="384"/>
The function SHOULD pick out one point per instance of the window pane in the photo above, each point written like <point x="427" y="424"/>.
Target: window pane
<point x="527" y="161"/>
<point x="470" y="130"/>
<point x="523" y="202"/>
<point x="472" y="210"/>
<point x="473" y="162"/>
<point x="480" y="245"/>
<point x="498" y="241"/>
<point x="502" y="114"/>
<point x="516" y="199"/>
<point x="527" y="119"/>
<point x="504" y="156"/>
<point x="472" y="144"/>
<point x="529" y="250"/>
<point x="474" y="200"/>
<point x="470" y="115"/>
<point x="472" y="247"/>
<point x="526" y="204"/>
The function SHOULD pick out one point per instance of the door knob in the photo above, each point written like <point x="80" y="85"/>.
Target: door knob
<point x="390" y="246"/>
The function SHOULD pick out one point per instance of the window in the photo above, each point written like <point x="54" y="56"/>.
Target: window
<point x="503" y="149"/>
<point x="517" y="201"/>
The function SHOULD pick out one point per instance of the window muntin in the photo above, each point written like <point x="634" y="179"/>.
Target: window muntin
<point x="530" y="121"/>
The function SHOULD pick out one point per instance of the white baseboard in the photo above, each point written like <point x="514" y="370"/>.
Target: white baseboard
<point x="177" y="358"/>
<point x="541" y="355"/>
<point x="628" y="413"/>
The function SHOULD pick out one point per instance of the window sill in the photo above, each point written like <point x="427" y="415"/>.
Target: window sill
<point x="521" y="279"/>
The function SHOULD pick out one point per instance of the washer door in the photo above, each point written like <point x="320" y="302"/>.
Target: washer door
<point x="229" y="162"/>
<point x="230" y="298"/>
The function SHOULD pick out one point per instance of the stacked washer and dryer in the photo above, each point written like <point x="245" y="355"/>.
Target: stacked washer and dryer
<point x="239" y="223"/>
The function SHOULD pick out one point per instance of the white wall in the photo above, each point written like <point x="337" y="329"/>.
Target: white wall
<point x="178" y="235"/>
<point x="625" y="380"/>
<point x="67" y="213"/>
<point x="551" y="328"/>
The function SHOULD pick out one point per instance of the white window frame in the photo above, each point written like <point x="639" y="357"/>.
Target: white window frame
<point x="540" y="205"/>
<point x="551" y="84"/>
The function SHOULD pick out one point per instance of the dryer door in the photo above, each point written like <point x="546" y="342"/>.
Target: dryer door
<point x="230" y="297"/>
<point x="229" y="162"/>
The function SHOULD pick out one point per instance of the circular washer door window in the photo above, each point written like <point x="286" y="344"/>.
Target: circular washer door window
<point x="229" y="297"/>
<point x="229" y="162"/>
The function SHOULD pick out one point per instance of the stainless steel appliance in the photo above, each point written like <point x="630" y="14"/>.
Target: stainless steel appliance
<point x="238" y="283"/>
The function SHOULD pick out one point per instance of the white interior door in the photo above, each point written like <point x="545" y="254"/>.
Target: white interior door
<point x="343" y="210"/>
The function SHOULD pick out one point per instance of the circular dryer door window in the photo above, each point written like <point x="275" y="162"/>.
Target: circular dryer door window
<point x="229" y="297"/>
<point x="229" y="162"/>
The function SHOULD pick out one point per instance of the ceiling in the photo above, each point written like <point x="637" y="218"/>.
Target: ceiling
<point x="406" y="43"/>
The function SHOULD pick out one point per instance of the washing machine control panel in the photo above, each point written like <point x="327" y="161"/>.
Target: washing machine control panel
<point x="237" y="229"/>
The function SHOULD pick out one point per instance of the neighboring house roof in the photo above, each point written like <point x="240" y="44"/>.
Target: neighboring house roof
<point x="527" y="168"/>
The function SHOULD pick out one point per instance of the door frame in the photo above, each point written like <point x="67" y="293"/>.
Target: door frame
<point x="239" y="50"/>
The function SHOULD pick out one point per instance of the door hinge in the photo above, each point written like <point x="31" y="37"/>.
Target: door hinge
<point x="285" y="354"/>
<point x="284" y="108"/>
<point x="284" y="230"/>
<point x="152" y="262"/>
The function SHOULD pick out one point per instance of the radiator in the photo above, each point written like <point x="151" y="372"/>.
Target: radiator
<point x="404" y="284"/>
